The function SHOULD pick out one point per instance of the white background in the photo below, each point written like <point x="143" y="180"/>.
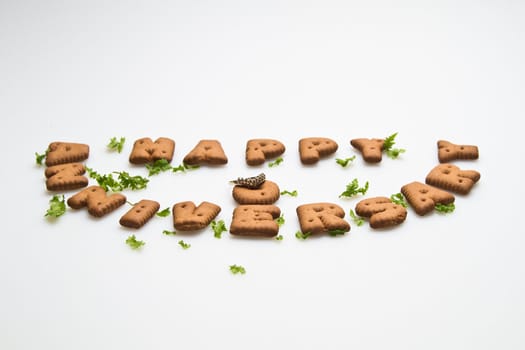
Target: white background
<point x="234" y="70"/>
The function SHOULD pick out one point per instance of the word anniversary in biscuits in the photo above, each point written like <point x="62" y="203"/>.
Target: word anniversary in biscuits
<point x="257" y="213"/>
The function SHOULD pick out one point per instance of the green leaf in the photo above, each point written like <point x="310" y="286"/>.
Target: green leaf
<point x="184" y="245"/>
<point x="445" y="208"/>
<point x="134" y="243"/>
<point x="164" y="213"/>
<point x="218" y="228"/>
<point x="279" y="238"/>
<point x="236" y="269"/>
<point x="160" y="165"/>
<point x="183" y="167"/>
<point x="359" y="221"/>
<point x="293" y="193"/>
<point x="352" y="189"/>
<point x="344" y="162"/>
<point x="300" y="235"/>
<point x="39" y="158"/>
<point x="169" y="233"/>
<point x="57" y="206"/>
<point x="398" y="198"/>
<point x="133" y="182"/>
<point x="389" y="142"/>
<point x="334" y="233"/>
<point x="280" y="220"/>
<point x="115" y="145"/>
<point x="275" y="162"/>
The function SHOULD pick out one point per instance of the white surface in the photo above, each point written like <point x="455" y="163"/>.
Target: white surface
<point x="87" y="71"/>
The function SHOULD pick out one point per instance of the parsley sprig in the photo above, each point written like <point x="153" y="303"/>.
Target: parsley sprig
<point x="353" y="189"/>
<point x="162" y="165"/>
<point x="39" y="158"/>
<point x="293" y="193"/>
<point x="445" y="208"/>
<point x="218" y="228"/>
<point x="388" y="144"/>
<point x="134" y="243"/>
<point x="237" y="269"/>
<point x="57" y="206"/>
<point x="344" y="162"/>
<point x="280" y="220"/>
<point x="301" y="235"/>
<point x="123" y="181"/>
<point x="164" y="213"/>
<point x="276" y="162"/>
<point x="116" y="145"/>
<point x="359" y="221"/>
<point x="398" y="198"/>
<point x="184" y="245"/>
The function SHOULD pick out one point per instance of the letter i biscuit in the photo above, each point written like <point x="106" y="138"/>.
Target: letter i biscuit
<point x="141" y="213"/>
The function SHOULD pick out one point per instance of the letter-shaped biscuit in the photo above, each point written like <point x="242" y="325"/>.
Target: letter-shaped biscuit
<point x="96" y="200"/>
<point x="267" y="193"/>
<point x="321" y="217"/>
<point x="423" y="198"/>
<point x="259" y="150"/>
<point x="146" y="151"/>
<point x="381" y="211"/>
<point x="65" y="177"/>
<point x="371" y="149"/>
<point x="141" y="212"/>
<point x="188" y="217"/>
<point x="451" y="178"/>
<point x="255" y="220"/>
<point x="66" y="152"/>
<point x="448" y="151"/>
<point x="312" y="149"/>
<point x="206" y="152"/>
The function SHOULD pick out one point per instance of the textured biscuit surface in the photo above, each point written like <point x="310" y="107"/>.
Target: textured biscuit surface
<point x="188" y="217"/>
<point x="371" y="149"/>
<point x="255" y="220"/>
<point x="321" y="217"/>
<point x="259" y="150"/>
<point x="423" y="198"/>
<point x="206" y="152"/>
<point x="267" y="193"/>
<point x="448" y="151"/>
<point x="141" y="213"/>
<point x="381" y="211"/>
<point x="66" y="152"/>
<point x="65" y="177"/>
<point x="96" y="200"/>
<point x="146" y="151"/>
<point x="451" y="178"/>
<point x="311" y="149"/>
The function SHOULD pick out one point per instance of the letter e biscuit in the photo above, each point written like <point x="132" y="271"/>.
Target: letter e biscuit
<point x="141" y="213"/>
<point x="255" y="221"/>
<point x="381" y="211"/>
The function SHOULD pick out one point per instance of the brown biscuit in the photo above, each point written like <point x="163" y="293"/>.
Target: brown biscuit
<point x="423" y="198"/>
<point x="206" y="152"/>
<point x="65" y="177"/>
<point x="188" y="217"/>
<point x="451" y="178"/>
<point x="259" y="150"/>
<point x="96" y="200"/>
<point x="321" y="217"/>
<point x="146" y="151"/>
<point x="371" y="149"/>
<point x="255" y="220"/>
<point x="141" y="212"/>
<point x="447" y="151"/>
<point x="267" y="193"/>
<point x="66" y="152"/>
<point x="311" y="149"/>
<point x="381" y="211"/>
